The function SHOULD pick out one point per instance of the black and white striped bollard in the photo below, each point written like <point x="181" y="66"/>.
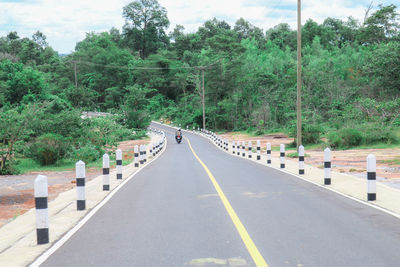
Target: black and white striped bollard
<point x="136" y="155"/>
<point x="141" y="155"/>
<point x="226" y="145"/>
<point x="250" y="149"/>
<point x="150" y="149"/>
<point x="233" y="147"/>
<point x="243" y="149"/>
<point x="301" y="159"/>
<point x="371" y="177"/>
<point x="106" y="172"/>
<point x="80" y="185"/>
<point x="238" y="148"/>
<point x="144" y="153"/>
<point x="327" y="166"/>
<point x="258" y="150"/>
<point x="154" y="149"/>
<point x="282" y="156"/>
<point x="42" y="212"/>
<point x="118" y="157"/>
<point x="268" y="153"/>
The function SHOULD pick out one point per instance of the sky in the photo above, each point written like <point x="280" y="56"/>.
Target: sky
<point x="66" y="22"/>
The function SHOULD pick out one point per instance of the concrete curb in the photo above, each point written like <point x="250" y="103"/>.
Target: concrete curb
<point x="18" y="246"/>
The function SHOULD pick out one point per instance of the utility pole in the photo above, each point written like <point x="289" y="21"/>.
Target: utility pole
<point x="299" y="141"/>
<point x="203" y="100"/>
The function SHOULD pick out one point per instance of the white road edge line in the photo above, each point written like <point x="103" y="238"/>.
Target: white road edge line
<point x="394" y="214"/>
<point x="42" y="258"/>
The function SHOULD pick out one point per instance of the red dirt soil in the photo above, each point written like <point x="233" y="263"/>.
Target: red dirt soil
<point x="16" y="191"/>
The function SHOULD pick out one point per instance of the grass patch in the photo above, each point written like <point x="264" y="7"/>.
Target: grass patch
<point x="296" y="155"/>
<point x="395" y="161"/>
<point x="29" y="165"/>
<point x="26" y="165"/>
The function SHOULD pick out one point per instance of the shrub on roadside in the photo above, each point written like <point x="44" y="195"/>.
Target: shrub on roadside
<point x="311" y="134"/>
<point x="48" y="148"/>
<point x="345" y="138"/>
<point x="87" y="153"/>
<point x="373" y="134"/>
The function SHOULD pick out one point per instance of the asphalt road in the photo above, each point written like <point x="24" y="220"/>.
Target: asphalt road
<point x="171" y="215"/>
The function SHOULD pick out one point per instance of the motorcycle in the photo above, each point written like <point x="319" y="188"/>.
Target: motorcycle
<point x="178" y="139"/>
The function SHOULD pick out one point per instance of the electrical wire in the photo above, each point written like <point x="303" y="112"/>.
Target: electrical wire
<point x="143" y="68"/>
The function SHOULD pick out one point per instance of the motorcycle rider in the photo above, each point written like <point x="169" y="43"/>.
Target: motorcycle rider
<point x="178" y="133"/>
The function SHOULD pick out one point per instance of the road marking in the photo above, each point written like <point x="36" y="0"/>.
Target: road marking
<point x="248" y="242"/>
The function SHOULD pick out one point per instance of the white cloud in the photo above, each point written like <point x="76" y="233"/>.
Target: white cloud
<point x="66" y="22"/>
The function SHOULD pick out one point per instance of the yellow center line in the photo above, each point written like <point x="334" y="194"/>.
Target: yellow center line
<point x="248" y="242"/>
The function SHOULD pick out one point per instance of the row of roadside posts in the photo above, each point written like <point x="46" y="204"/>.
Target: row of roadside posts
<point x="239" y="149"/>
<point x="41" y="186"/>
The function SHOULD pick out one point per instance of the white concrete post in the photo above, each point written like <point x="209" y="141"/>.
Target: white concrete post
<point x="150" y="150"/>
<point x="301" y="159"/>
<point x="141" y="154"/>
<point x="226" y="145"/>
<point x="154" y="149"/>
<point x="258" y="150"/>
<point x="136" y="155"/>
<point x="250" y="150"/>
<point x="243" y="149"/>
<point x="144" y="153"/>
<point x="327" y="166"/>
<point x="233" y="147"/>
<point x="106" y="172"/>
<point x="80" y="185"/>
<point x="118" y="157"/>
<point x="371" y="177"/>
<point x="238" y="148"/>
<point x="268" y="153"/>
<point x="282" y="156"/>
<point x="42" y="212"/>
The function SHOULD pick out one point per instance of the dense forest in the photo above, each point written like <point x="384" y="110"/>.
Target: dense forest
<point x="351" y="83"/>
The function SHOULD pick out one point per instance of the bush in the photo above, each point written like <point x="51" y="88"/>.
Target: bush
<point x="345" y="138"/>
<point x="9" y="167"/>
<point x="373" y="134"/>
<point x="311" y="134"/>
<point x="86" y="153"/>
<point x="48" y="148"/>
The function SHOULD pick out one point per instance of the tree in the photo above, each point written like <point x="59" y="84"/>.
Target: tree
<point x="246" y="30"/>
<point x="282" y="36"/>
<point x="15" y="125"/>
<point x="40" y="39"/>
<point x="145" y="26"/>
<point x="384" y="66"/>
<point x="134" y="108"/>
<point x="381" y="26"/>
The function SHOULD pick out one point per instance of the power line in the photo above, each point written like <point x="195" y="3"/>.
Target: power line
<point x="143" y="68"/>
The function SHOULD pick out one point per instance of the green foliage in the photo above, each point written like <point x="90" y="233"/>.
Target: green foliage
<point x="345" y="138"/>
<point x="145" y="26"/>
<point x="134" y="108"/>
<point x="350" y="83"/>
<point x="48" y="148"/>
<point x="311" y="133"/>
<point x="87" y="153"/>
